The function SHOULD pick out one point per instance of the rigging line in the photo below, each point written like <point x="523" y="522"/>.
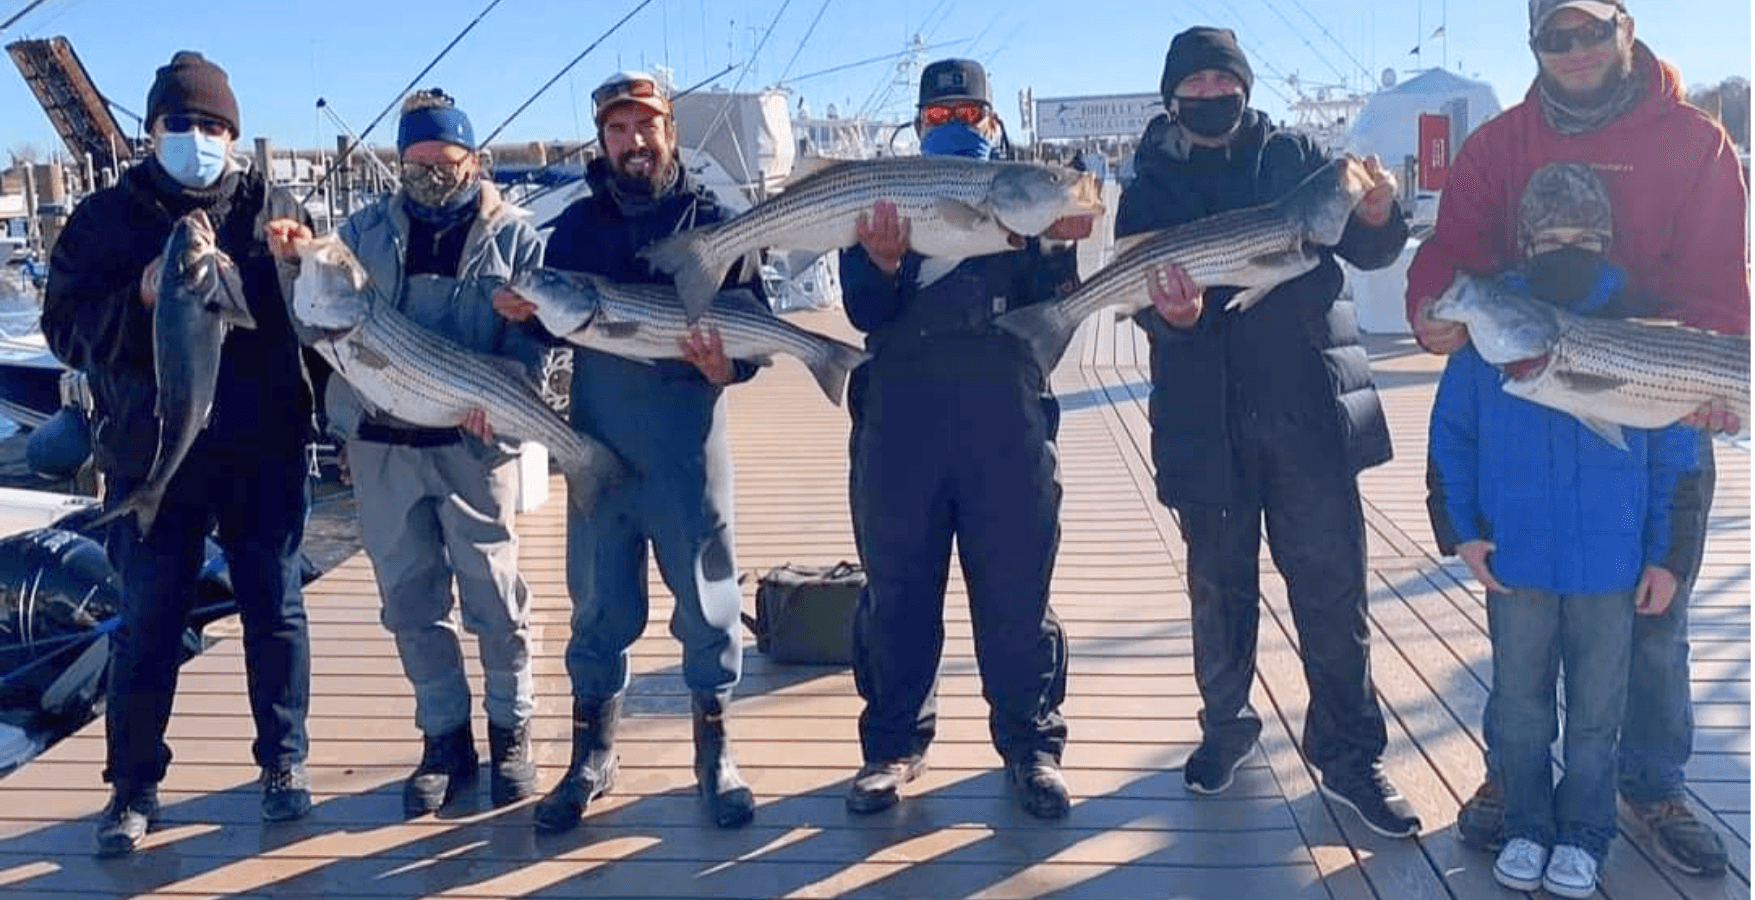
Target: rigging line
<point x="987" y="61"/>
<point x="805" y="40"/>
<point x="1255" y="59"/>
<point x="875" y="59"/>
<point x="400" y="94"/>
<point x="564" y="70"/>
<point x="725" y="110"/>
<point x="1332" y="39"/>
<point x="1312" y="48"/>
<point x="21" y="14"/>
<point x="983" y="32"/>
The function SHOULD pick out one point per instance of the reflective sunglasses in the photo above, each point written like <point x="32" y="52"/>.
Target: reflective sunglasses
<point x="626" y="89"/>
<point x="1562" y="40"/>
<point x="180" y="124"/>
<point x="937" y="114"/>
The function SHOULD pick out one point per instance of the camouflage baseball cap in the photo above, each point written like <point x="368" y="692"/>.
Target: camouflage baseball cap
<point x="1564" y="195"/>
<point x="1543" y="10"/>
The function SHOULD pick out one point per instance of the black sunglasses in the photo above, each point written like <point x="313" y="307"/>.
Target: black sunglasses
<point x="1562" y="40"/>
<point x="178" y="123"/>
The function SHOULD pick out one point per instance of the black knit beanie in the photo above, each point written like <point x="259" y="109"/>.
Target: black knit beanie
<point x="1200" y="48"/>
<point x="190" y="84"/>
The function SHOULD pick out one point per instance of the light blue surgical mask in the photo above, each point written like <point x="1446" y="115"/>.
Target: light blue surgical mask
<point x="956" y="139"/>
<point x="194" y="159"/>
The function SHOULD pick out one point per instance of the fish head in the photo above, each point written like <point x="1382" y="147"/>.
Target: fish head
<point x="1029" y="197"/>
<point x="1324" y="201"/>
<point x="1515" y="333"/>
<point x="197" y="271"/>
<point x="566" y="302"/>
<point x="333" y="292"/>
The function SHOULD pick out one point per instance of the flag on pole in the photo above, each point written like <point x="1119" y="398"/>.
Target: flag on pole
<point x="1437" y="34"/>
<point x="1415" y="51"/>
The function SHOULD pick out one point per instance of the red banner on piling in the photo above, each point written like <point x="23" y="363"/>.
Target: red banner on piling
<point x="1434" y="152"/>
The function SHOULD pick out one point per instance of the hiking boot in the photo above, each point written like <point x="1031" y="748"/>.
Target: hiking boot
<point x="286" y="793"/>
<point x="1213" y="767"/>
<point x="728" y="796"/>
<point x="1571" y="873"/>
<point x="1382" y="807"/>
<point x="447" y="765"/>
<point x="878" y="785"/>
<point x="592" y="771"/>
<point x="1681" y="840"/>
<point x="1040" y="789"/>
<point x="511" y="767"/>
<point x="126" y="818"/>
<point x="1521" y="864"/>
<point x="1480" y="823"/>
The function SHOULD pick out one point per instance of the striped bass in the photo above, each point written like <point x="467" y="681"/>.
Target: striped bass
<point x="200" y="299"/>
<point x="422" y="378"/>
<point x="647" y="322"/>
<point x="956" y="208"/>
<point x="1256" y="249"/>
<point x="1607" y="373"/>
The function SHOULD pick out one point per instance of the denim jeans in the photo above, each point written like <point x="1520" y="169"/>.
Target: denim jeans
<point x="259" y="502"/>
<point x="1535" y="633"/>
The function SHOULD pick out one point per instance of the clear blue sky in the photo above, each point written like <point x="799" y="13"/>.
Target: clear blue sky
<point x="357" y="53"/>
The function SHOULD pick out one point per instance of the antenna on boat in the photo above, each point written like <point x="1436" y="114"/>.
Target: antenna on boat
<point x="400" y="94"/>
<point x="564" y="70"/>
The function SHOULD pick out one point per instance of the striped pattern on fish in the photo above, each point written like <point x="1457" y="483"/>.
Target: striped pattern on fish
<point x="956" y="208"/>
<point x="1256" y="249"/>
<point x="646" y="321"/>
<point x="1607" y="373"/>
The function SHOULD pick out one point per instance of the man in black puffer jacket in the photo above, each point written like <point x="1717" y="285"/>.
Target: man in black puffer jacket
<point x="246" y="472"/>
<point x="1269" y="413"/>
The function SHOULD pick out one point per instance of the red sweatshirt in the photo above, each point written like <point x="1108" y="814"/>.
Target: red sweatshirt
<point x="1677" y="191"/>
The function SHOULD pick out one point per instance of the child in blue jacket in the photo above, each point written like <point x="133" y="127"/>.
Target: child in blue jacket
<point x="1571" y="537"/>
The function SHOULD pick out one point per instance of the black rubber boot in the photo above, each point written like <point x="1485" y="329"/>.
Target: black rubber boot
<point x="447" y="765"/>
<point x="591" y="773"/>
<point x="728" y="796"/>
<point x="511" y="768"/>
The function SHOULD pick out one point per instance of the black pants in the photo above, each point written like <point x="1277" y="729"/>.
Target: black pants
<point x="936" y="457"/>
<point x="1316" y="535"/>
<point x="259" y="503"/>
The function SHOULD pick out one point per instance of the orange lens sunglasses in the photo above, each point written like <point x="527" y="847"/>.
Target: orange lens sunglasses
<point x="937" y="114"/>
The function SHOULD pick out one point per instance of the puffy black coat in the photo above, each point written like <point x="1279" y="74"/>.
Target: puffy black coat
<point x="1293" y="358"/>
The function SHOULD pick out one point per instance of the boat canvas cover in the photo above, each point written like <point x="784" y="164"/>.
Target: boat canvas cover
<point x="748" y="134"/>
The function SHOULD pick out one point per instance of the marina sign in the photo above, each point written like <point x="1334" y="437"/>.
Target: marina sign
<point x="1113" y="115"/>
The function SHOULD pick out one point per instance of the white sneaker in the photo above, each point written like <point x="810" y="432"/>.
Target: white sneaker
<point x="1572" y="873"/>
<point x="1519" y="865"/>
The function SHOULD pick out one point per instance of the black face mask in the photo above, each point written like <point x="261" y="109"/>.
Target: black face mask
<point x="1564" y="276"/>
<point x="1211" y="117"/>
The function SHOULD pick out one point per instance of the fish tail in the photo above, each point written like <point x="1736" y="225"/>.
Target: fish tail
<point x="143" y="504"/>
<point x="1045" y="328"/>
<point x="830" y="368"/>
<point x="688" y="257"/>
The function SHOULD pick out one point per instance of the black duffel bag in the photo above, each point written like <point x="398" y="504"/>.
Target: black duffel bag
<point x="804" y="614"/>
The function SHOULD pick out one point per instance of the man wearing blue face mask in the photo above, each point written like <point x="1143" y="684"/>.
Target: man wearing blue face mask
<point x="246" y="472"/>
<point x="953" y="436"/>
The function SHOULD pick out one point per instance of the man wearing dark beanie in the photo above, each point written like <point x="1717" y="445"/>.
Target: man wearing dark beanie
<point x="1266" y="414"/>
<point x="246" y="471"/>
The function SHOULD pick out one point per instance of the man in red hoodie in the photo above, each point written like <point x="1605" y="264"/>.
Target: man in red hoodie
<point x="1603" y="99"/>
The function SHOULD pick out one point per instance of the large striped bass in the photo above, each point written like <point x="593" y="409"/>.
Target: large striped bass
<point x="422" y="378"/>
<point x="200" y="298"/>
<point x="1256" y="249"/>
<point x="647" y="322"/>
<point x="956" y="208"/>
<point x="1607" y="373"/>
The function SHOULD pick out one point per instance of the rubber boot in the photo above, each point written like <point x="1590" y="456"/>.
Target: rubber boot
<point x="511" y="767"/>
<point x="592" y="771"/>
<point x="728" y="796"/>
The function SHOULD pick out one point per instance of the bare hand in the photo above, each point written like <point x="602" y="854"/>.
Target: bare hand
<point x="284" y="236"/>
<point x="1175" y="295"/>
<point x="1071" y="228"/>
<point x="1657" y="587"/>
<point x="884" y="235"/>
<point x="1374" y="208"/>
<point x="1474" y="555"/>
<point x="149" y="281"/>
<point x="511" y="305"/>
<point x="1715" y="416"/>
<point x="475" y="423"/>
<point x="1437" y="336"/>
<point x="707" y="352"/>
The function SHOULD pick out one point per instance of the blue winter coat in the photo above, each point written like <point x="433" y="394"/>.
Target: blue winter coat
<point x="1567" y="511"/>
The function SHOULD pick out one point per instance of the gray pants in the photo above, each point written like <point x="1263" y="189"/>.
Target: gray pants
<point x="428" y="515"/>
